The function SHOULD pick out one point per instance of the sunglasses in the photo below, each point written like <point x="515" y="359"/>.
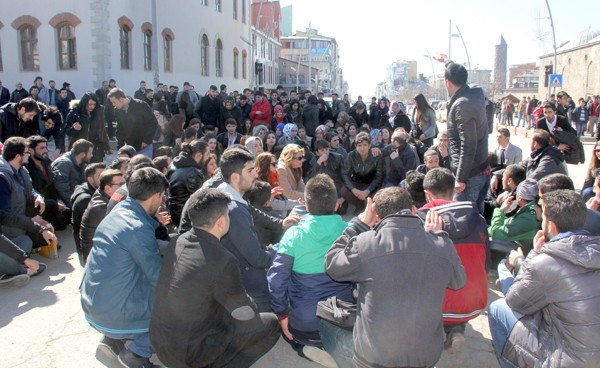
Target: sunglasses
<point x="597" y="150"/>
<point x="299" y="158"/>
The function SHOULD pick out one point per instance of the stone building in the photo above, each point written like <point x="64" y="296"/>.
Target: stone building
<point x="578" y="61"/>
<point x="500" y="63"/>
<point x="87" y="41"/>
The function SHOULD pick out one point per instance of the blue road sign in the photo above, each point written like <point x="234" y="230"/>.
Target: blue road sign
<point x="556" y="80"/>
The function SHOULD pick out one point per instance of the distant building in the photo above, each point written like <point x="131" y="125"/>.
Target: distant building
<point x="523" y="76"/>
<point x="324" y="56"/>
<point x="266" y="60"/>
<point x="577" y="61"/>
<point x="286" y="20"/>
<point x="500" y="63"/>
<point x="85" y="42"/>
<point x="482" y="78"/>
<point x="399" y="75"/>
<point x="293" y="74"/>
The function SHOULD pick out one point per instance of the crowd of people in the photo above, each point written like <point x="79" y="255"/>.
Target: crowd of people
<point x="219" y="227"/>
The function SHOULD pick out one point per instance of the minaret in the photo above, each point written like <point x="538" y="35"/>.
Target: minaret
<point x="500" y="64"/>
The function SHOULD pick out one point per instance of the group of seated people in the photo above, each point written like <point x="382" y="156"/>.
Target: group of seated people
<point x="207" y="253"/>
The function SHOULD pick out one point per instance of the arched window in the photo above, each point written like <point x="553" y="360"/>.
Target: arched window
<point x="204" y="56"/>
<point x="168" y="38"/>
<point x="148" y="50"/>
<point x="219" y="58"/>
<point x="124" y="37"/>
<point x="591" y="76"/>
<point x="244" y="64"/>
<point x="236" y="55"/>
<point x="30" y="58"/>
<point x="67" y="51"/>
<point x="244" y="12"/>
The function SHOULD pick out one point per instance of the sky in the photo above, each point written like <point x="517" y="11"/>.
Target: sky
<point x="374" y="34"/>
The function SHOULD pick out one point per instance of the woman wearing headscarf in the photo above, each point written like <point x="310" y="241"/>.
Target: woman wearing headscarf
<point x="290" y="135"/>
<point x="254" y="145"/>
<point x="381" y="115"/>
<point x="394" y="110"/>
<point x="375" y="135"/>
<point x="279" y="116"/>
<point x="320" y="133"/>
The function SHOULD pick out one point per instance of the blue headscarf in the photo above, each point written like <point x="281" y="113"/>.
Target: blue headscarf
<point x="280" y="126"/>
<point x="374" y="137"/>
<point x="288" y="128"/>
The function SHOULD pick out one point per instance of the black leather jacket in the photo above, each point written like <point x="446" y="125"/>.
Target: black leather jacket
<point x="370" y="171"/>
<point x="184" y="180"/>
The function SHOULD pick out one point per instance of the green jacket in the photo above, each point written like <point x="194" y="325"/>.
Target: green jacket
<point x="522" y="226"/>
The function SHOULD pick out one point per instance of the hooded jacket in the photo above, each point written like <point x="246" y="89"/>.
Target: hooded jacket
<point x="184" y="179"/>
<point x="310" y="116"/>
<point x="467" y="133"/>
<point x="17" y="194"/>
<point x="67" y="175"/>
<point x="543" y="162"/>
<point x="558" y="291"/>
<point x="92" y="125"/>
<point x="297" y="277"/>
<point x="468" y="231"/>
<point x="402" y="273"/>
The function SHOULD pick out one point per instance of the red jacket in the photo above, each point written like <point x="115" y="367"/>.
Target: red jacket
<point x="468" y="231"/>
<point x="264" y="117"/>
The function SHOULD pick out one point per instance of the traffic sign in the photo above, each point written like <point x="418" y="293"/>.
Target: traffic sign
<point x="556" y="80"/>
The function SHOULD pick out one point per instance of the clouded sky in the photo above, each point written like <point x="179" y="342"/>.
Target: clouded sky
<point x="375" y="33"/>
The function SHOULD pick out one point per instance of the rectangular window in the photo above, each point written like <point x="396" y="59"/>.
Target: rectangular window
<point x="168" y="45"/>
<point x="244" y="11"/>
<point x="124" y="40"/>
<point x="218" y="6"/>
<point x="147" y="50"/>
<point x="235" y="9"/>
<point x="67" y="55"/>
<point x="204" y="2"/>
<point x="30" y="58"/>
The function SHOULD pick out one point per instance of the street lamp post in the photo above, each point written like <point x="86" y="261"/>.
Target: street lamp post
<point x="297" y="76"/>
<point x="465" y="46"/>
<point x="432" y="71"/>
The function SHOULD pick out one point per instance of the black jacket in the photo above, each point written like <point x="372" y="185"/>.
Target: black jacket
<point x="18" y="95"/>
<point x="93" y="215"/>
<point x="81" y="198"/>
<point x="310" y="116"/>
<point x="67" y="175"/>
<point x="208" y="110"/>
<point x="185" y="178"/>
<point x="10" y="124"/>
<point x="543" y="162"/>
<point x="467" y="133"/>
<point x="195" y="325"/>
<point x="334" y="168"/>
<point x="137" y="125"/>
<point x="92" y="127"/>
<point x="370" y="171"/>
<point x="4" y="96"/>
<point x="235" y="113"/>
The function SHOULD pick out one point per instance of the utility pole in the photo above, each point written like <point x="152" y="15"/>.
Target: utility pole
<point x="309" y="59"/>
<point x="154" y="51"/>
<point x="553" y="45"/>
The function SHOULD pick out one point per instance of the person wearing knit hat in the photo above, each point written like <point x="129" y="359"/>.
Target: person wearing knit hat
<point x="127" y="151"/>
<point x="523" y="225"/>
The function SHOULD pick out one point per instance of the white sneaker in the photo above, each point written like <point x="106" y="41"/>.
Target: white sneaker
<point x="319" y="356"/>
<point x="13" y="281"/>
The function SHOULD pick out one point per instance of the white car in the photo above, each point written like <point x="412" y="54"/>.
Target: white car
<point x="440" y="112"/>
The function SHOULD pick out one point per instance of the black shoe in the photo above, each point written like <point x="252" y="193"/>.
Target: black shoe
<point x="7" y="281"/>
<point x="111" y="346"/>
<point x="40" y="269"/>
<point x="130" y="360"/>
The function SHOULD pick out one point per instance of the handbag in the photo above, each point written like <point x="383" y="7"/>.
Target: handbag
<point x="338" y="312"/>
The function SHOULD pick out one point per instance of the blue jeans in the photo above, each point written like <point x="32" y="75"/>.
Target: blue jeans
<point x="9" y="266"/>
<point x="338" y="342"/>
<point x="502" y="319"/>
<point x="475" y="191"/>
<point x="141" y="344"/>
<point x="505" y="276"/>
<point x="581" y="126"/>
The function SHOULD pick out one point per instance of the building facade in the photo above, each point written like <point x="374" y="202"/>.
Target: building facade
<point x="500" y="63"/>
<point x="317" y="51"/>
<point x="85" y="42"/>
<point x="578" y="61"/>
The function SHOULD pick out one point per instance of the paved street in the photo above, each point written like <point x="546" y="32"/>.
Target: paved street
<point x="42" y="325"/>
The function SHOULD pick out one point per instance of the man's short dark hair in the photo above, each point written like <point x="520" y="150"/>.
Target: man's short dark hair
<point x="321" y="195"/>
<point x="259" y="194"/>
<point x="206" y="206"/>
<point x="243" y="98"/>
<point x="258" y="93"/>
<point x="505" y="132"/>
<point x="119" y="162"/>
<point x="541" y="137"/>
<point x="439" y="181"/>
<point x="34" y="140"/>
<point x="233" y="161"/>
<point x="146" y="182"/>
<point x="213" y="88"/>
<point x="161" y="162"/>
<point x="456" y="73"/>
<point x="362" y="137"/>
<point x="137" y="162"/>
<point x="414" y="186"/>
<point x="82" y="146"/>
<point x="230" y="121"/>
<point x="13" y="146"/>
<point x="107" y="176"/>
<point x="562" y="94"/>
<point x="29" y="104"/>
<point x="164" y="151"/>
<point x="516" y="172"/>
<point x="549" y="105"/>
<point x="117" y="93"/>
<point x="90" y="170"/>
<point x="321" y="143"/>
<point x="566" y="209"/>
<point x="391" y="200"/>
<point x="223" y="87"/>
<point x="554" y="182"/>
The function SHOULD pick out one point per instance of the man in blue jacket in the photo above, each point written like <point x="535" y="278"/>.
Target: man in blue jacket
<point x="122" y="271"/>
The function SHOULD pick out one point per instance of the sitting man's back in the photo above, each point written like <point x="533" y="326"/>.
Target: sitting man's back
<point x="402" y="272"/>
<point x="202" y="314"/>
